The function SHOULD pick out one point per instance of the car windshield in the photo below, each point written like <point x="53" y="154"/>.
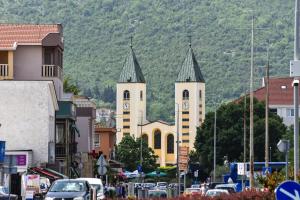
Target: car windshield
<point x="157" y="194"/>
<point x="161" y="184"/>
<point x="3" y="190"/>
<point x="195" y="186"/>
<point x="193" y="190"/>
<point x="68" y="186"/>
<point x="214" y="193"/>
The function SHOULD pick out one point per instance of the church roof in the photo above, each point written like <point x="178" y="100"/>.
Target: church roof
<point x="190" y="70"/>
<point x="131" y="72"/>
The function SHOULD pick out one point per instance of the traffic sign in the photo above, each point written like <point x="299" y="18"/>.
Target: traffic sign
<point x="196" y="173"/>
<point x="266" y="170"/>
<point x="139" y="168"/>
<point x="288" y="190"/>
<point x="102" y="170"/>
<point x="2" y="151"/>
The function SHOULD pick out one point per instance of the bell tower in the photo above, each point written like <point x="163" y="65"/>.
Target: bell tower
<point x="190" y="99"/>
<point x="131" y="98"/>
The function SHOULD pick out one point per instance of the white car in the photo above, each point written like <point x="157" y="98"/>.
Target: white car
<point x="215" y="192"/>
<point x="97" y="184"/>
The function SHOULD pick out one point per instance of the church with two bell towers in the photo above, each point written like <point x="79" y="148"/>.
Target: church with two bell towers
<point x="159" y="135"/>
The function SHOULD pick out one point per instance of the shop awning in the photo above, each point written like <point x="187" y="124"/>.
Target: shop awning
<point x="56" y="173"/>
<point x="44" y="173"/>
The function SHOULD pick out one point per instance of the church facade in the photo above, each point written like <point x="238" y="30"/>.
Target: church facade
<point x="161" y="136"/>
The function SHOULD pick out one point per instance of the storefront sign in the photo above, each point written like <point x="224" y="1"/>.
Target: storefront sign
<point x="33" y="183"/>
<point x="2" y="151"/>
<point x="21" y="160"/>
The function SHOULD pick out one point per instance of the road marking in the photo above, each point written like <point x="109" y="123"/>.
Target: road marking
<point x="296" y="197"/>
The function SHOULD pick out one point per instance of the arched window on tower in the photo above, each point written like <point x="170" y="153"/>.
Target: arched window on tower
<point x="145" y="138"/>
<point x="157" y="139"/>
<point x="126" y="95"/>
<point x="185" y="95"/>
<point x="170" y="143"/>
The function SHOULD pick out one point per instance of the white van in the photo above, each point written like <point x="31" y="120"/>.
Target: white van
<point x="97" y="184"/>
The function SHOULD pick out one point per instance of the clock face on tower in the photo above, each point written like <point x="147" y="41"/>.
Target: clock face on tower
<point x="185" y="105"/>
<point x="126" y="106"/>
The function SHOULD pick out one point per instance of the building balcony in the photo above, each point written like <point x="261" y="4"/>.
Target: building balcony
<point x="60" y="150"/>
<point x="4" y="70"/>
<point x="52" y="71"/>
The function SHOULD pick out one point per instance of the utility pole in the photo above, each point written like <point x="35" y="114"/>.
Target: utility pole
<point x="251" y="109"/>
<point x="177" y="143"/>
<point x="245" y="137"/>
<point x="141" y="147"/>
<point x="267" y="113"/>
<point x="215" y="143"/>
<point x="296" y="90"/>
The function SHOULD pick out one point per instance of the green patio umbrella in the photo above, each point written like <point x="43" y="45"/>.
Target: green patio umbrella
<point x="155" y="174"/>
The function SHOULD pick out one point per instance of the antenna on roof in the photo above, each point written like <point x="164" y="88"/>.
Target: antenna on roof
<point x="190" y="40"/>
<point x="131" y="38"/>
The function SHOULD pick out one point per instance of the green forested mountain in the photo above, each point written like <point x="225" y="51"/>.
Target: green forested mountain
<point x="97" y="32"/>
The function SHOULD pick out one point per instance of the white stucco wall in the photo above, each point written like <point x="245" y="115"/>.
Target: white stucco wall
<point x="27" y="116"/>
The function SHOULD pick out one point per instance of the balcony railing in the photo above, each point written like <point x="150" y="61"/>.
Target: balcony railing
<point x="52" y="71"/>
<point x="60" y="150"/>
<point x="4" y="70"/>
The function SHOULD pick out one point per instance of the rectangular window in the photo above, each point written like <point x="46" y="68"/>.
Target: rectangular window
<point x="200" y="94"/>
<point x="60" y="134"/>
<point x="200" y="112"/>
<point x="273" y="110"/>
<point x="185" y="141"/>
<point x="185" y="119"/>
<point x="126" y="120"/>
<point x="96" y="140"/>
<point x="126" y="113"/>
<point x="290" y="113"/>
<point x="185" y="126"/>
<point x="200" y="105"/>
<point x="126" y="126"/>
<point x="185" y="134"/>
<point x="141" y="95"/>
<point x="185" y="112"/>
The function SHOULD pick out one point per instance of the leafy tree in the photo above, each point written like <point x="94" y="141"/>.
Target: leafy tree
<point x="128" y="152"/>
<point x="109" y="95"/>
<point x="69" y="87"/>
<point x="230" y="133"/>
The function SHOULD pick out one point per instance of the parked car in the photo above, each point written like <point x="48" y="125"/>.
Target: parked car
<point x="69" y="189"/>
<point x="161" y="185"/>
<point x="97" y="184"/>
<point x="212" y="185"/>
<point x="155" y="194"/>
<point x="4" y="194"/>
<point x="175" y="185"/>
<point x="149" y="186"/>
<point x="216" y="192"/>
<point x="192" y="191"/>
<point x="196" y="186"/>
<point x="230" y="187"/>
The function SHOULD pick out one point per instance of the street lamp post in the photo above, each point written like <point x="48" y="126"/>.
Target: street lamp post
<point x="251" y="110"/>
<point x="215" y="143"/>
<point x="177" y="143"/>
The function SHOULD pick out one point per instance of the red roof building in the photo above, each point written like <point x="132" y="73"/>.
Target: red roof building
<point x="12" y="35"/>
<point x="281" y="93"/>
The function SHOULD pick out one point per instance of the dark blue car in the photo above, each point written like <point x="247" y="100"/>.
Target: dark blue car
<point x="67" y="189"/>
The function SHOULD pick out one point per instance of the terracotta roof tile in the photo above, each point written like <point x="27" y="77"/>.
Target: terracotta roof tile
<point x="25" y="33"/>
<point x="280" y="91"/>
